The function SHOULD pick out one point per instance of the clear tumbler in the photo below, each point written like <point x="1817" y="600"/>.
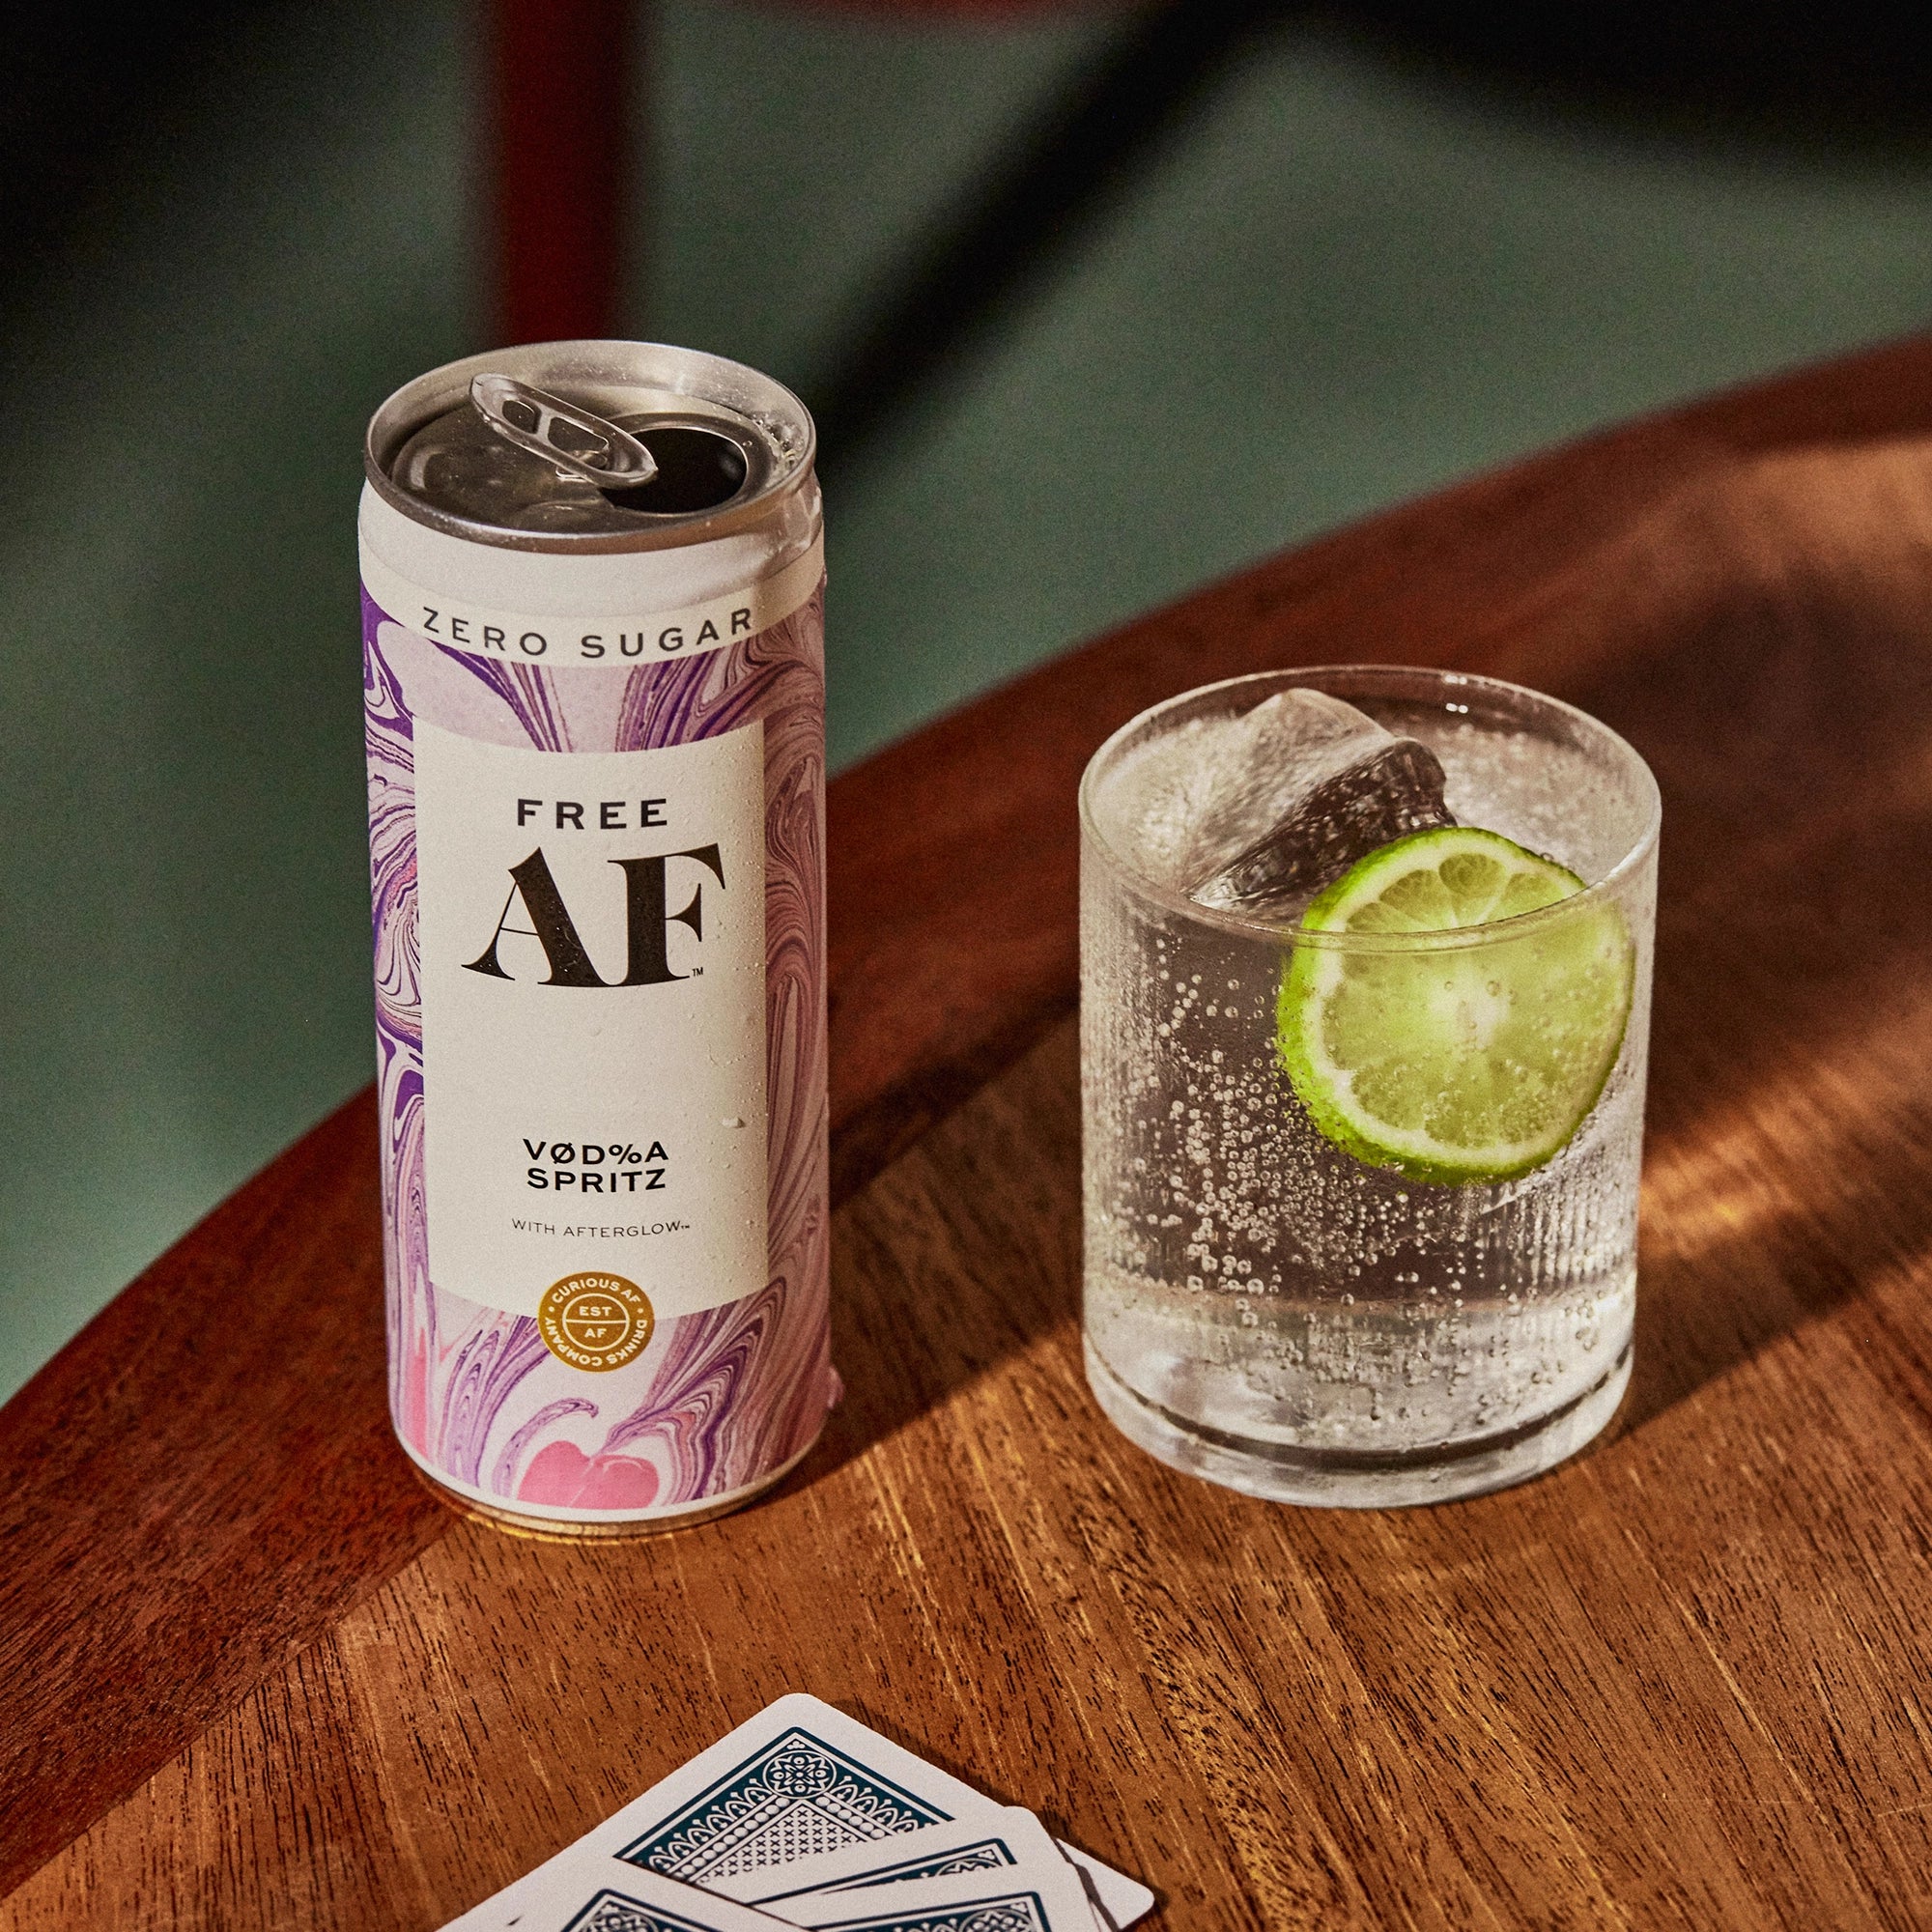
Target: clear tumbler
<point x="1361" y="1199"/>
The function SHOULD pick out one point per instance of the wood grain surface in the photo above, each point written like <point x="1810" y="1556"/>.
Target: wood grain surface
<point x="197" y="1484"/>
<point x="1679" y="1682"/>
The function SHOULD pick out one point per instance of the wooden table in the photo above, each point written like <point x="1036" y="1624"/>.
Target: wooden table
<point x="251" y="1675"/>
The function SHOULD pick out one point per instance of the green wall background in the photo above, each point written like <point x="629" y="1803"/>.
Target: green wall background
<point x="1342" y="284"/>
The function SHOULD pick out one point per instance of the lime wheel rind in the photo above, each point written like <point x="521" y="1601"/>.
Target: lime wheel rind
<point x="1456" y="1065"/>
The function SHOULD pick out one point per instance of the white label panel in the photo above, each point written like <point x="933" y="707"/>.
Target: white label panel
<point x="592" y="936"/>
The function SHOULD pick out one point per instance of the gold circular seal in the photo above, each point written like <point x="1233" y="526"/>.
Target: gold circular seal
<point x="595" y="1321"/>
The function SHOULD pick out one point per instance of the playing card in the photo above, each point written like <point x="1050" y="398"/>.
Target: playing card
<point x="799" y="1780"/>
<point x="1042" y="1895"/>
<point x="1121" y="1899"/>
<point x="630" y="1901"/>
<point x="1008" y="1839"/>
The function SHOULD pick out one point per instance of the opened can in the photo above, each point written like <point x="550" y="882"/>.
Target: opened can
<point x="593" y="670"/>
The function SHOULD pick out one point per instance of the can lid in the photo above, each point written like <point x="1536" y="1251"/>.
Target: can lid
<point x="589" y="445"/>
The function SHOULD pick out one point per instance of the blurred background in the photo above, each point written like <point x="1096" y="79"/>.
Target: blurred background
<point x="1094" y="303"/>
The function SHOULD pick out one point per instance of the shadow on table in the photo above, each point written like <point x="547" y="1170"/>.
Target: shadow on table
<point x="964" y="1253"/>
<point x="1766" y="641"/>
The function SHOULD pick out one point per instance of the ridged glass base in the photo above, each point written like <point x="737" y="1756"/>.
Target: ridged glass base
<point x="1340" y="1478"/>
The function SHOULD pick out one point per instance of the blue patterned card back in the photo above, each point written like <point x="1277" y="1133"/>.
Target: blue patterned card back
<point x="1011" y="1912"/>
<point x="986" y="1855"/>
<point x="611" y="1912"/>
<point x="794" y="1798"/>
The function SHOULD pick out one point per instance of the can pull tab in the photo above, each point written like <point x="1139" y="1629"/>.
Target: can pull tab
<point x="578" y="444"/>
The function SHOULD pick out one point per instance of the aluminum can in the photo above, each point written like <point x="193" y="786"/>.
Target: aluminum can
<point x="593" y="675"/>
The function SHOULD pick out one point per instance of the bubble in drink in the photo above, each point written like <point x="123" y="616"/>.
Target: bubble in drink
<point x="1270" y="1301"/>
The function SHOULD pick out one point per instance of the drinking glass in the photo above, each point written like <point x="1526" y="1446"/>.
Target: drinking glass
<point x="1278" y="1297"/>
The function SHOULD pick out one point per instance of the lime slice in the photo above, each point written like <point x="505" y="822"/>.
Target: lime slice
<point x="1456" y="1065"/>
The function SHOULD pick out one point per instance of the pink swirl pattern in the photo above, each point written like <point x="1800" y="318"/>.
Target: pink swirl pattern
<point x="720" y="1399"/>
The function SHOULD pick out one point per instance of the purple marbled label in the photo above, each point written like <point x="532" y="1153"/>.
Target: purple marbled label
<point x="721" y="1398"/>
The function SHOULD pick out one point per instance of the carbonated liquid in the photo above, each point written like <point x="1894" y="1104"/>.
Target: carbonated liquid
<point x="1263" y="1306"/>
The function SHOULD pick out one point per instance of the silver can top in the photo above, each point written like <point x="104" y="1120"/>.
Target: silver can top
<point x="591" y="446"/>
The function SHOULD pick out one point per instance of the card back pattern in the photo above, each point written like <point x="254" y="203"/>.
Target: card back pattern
<point x="795" y="1797"/>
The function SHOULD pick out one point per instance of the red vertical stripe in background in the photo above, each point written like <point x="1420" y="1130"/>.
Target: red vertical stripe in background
<point x="559" y="79"/>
